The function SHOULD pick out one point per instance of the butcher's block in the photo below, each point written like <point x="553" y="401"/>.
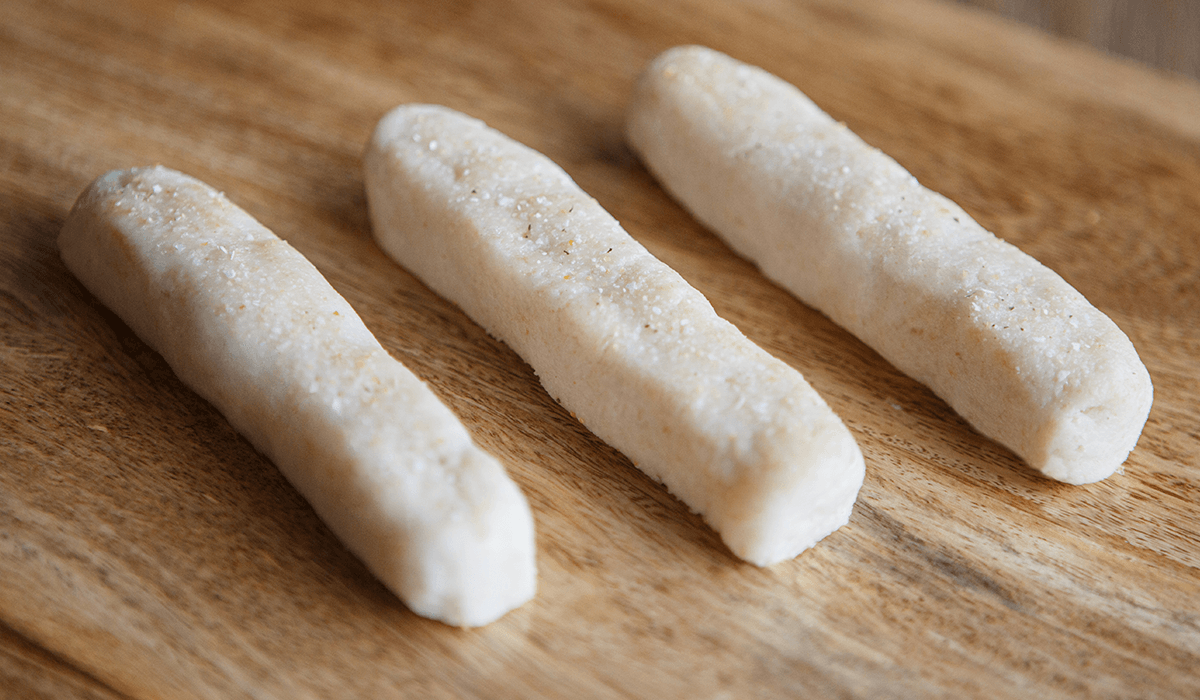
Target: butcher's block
<point x="148" y="551"/>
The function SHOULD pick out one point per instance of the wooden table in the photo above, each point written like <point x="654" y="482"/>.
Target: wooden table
<point x="147" y="551"/>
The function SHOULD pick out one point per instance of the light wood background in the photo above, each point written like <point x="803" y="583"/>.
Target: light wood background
<point x="146" y="551"/>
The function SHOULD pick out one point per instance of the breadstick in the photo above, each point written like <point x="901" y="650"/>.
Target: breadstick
<point x="249" y="324"/>
<point x="617" y="337"/>
<point x="1018" y="352"/>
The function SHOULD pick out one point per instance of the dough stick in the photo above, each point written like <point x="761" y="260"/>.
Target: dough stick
<point x="617" y="337"/>
<point x="254" y="328"/>
<point x="1003" y="340"/>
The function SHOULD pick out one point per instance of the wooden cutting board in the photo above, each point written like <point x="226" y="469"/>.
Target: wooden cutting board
<point x="147" y="551"/>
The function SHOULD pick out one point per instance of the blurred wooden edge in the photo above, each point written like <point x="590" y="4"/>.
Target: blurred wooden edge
<point x="1164" y="34"/>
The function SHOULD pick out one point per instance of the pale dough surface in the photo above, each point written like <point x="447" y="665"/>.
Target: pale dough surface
<point x="621" y="340"/>
<point x="1005" y="341"/>
<point x="247" y="322"/>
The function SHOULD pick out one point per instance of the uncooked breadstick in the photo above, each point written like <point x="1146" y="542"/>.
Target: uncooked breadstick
<point x="619" y="338"/>
<point x="1005" y="341"/>
<point x="253" y="327"/>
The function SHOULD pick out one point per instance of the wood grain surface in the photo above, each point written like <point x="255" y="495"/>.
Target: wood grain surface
<point x="147" y="551"/>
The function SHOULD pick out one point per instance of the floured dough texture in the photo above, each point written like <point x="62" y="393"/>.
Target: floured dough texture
<point x="620" y="339"/>
<point x="1005" y="341"/>
<point x="253" y="327"/>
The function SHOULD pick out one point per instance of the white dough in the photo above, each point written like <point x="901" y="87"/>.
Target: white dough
<point x="1002" y="339"/>
<point x="248" y="323"/>
<point x="616" y="336"/>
